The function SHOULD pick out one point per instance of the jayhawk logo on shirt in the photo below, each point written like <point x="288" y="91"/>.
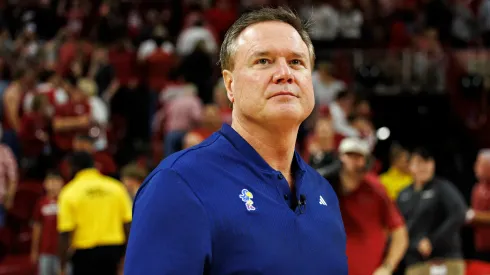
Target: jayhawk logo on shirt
<point x="247" y="197"/>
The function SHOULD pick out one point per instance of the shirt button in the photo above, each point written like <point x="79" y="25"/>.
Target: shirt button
<point x="280" y="176"/>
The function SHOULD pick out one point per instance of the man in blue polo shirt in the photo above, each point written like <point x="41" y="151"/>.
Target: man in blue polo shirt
<point x="243" y="201"/>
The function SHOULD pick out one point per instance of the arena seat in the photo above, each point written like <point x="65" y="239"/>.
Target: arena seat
<point x="477" y="268"/>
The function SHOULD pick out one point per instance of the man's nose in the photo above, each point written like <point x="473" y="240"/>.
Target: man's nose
<point x="283" y="73"/>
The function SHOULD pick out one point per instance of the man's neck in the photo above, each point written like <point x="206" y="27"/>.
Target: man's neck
<point x="349" y="181"/>
<point x="419" y="184"/>
<point x="275" y="146"/>
<point x="51" y="196"/>
<point x="398" y="170"/>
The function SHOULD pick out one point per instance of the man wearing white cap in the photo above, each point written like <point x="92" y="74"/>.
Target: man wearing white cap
<point x="369" y="216"/>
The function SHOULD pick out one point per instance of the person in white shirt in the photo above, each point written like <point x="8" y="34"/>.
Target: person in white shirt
<point x="325" y="85"/>
<point x="340" y="110"/>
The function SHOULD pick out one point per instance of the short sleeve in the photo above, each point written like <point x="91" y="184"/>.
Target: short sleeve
<point x="66" y="215"/>
<point x="392" y="217"/>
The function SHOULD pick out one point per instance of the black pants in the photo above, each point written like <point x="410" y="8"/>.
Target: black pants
<point x="100" y="260"/>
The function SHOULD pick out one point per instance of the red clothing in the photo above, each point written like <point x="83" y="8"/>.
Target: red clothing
<point x="124" y="63"/>
<point x="368" y="213"/>
<point x="31" y="124"/>
<point x="64" y="139"/>
<point x="480" y="201"/>
<point x="220" y="20"/>
<point x="46" y="213"/>
<point x="68" y="52"/>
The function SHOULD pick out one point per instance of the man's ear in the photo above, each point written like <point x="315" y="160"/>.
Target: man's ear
<point x="228" y="80"/>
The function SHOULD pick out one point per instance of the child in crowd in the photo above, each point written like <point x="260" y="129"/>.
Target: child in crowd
<point x="44" y="248"/>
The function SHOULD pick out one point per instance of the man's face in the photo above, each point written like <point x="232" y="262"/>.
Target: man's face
<point x="353" y="163"/>
<point x="83" y="145"/>
<point x="422" y="169"/>
<point x="402" y="162"/>
<point x="53" y="185"/>
<point x="271" y="79"/>
<point x="482" y="168"/>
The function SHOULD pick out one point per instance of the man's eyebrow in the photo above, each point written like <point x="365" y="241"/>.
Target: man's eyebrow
<point x="299" y="55"/>
<point x="266" y="53"/>
<point x="260" y="53"/>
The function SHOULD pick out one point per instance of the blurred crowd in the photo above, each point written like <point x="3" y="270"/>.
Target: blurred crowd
<point x="130" y="82"/>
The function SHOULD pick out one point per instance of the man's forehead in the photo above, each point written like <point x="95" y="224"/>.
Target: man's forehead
<point x="270" y="37"/>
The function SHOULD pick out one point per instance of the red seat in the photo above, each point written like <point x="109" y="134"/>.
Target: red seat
<point x="477" y="268"/>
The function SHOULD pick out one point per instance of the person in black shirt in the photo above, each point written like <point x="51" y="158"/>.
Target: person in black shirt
<point x="434" y="211"/>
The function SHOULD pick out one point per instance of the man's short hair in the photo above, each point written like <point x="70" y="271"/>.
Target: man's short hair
<point x="424" y="153"/>
<point x="81" y="160"/>
<point x="134" y="171"/>
<point x="281" y="14"/>
<point x="396" y="150"/>
<point x="53" y="174"/>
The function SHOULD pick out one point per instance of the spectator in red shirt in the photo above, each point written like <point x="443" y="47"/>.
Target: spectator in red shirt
<point x="34" y="138"/>
<point x="34" y="128"/>
<point x="123" y="58"/>
<point x="370" y="216"/>
<point x="44" y="246"/>
<point x="71" y="118"/>
<point x="479" y="214"/>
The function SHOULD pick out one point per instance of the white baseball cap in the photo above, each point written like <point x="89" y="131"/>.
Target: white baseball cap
<point x="354" y="145"/>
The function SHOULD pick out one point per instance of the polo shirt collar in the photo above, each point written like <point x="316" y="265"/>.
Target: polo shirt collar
<point x="250" y="154"/>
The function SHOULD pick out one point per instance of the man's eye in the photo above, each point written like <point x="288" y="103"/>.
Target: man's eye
<point x="296" y="62"/>
<point x="263" y="61"/>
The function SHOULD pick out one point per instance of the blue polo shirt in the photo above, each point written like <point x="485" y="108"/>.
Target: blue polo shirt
<point x="219" y="208"/>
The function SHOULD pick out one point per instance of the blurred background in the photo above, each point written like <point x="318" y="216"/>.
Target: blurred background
<point x="132" y="81"/>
